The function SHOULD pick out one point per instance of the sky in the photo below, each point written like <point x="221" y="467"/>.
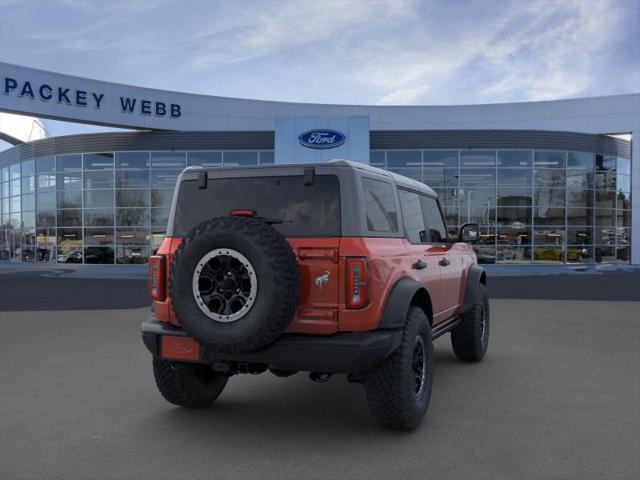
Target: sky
<point x="395" y="52"/>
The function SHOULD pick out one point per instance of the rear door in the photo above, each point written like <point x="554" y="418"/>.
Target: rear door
<point x="424" y="258"/>
<point x="450" y="263"/>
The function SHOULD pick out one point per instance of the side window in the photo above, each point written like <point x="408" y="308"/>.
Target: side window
<point x="412" y="216"/>
<point x="380" y="206"/>
<point x="433" y="219"/>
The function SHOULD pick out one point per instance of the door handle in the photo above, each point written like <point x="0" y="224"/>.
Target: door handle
<point x="444" y="262"/>
<point x="419" y="265"/>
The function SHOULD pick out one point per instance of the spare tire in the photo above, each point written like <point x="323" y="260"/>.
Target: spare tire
<point x="234" y="284"/>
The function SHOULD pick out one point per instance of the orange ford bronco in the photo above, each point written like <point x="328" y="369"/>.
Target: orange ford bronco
<point x="326" y="268"/>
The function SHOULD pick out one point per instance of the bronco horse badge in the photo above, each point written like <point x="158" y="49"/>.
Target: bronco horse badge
<point x="323" y="279"/>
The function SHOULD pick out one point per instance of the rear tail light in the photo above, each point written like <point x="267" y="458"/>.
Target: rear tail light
<point x="357" y="282"/>
<point x="157" y="266"/>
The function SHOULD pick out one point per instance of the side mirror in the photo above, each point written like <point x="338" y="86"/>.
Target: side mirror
<point x="469" y="233"/>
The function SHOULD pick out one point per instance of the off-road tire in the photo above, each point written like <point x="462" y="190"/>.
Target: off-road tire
<point x="278" y="279"/>
<point x="469" y="339"/>
<point x="390" y="386"/>
<point x="188" y="384"/>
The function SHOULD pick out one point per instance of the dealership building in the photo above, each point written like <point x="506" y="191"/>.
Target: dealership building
<point x="548" y="182"/>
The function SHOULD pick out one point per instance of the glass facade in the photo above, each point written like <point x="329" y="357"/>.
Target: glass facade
<point x="533" y="206"/>
<point x="105" y="207"/>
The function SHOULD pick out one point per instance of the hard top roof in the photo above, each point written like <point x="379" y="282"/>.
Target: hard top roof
<point x="400" y="180"/>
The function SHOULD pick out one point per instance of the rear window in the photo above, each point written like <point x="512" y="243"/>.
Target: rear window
<point x="307" y="210"/>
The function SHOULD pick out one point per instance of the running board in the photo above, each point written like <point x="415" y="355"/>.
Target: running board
<point x="445" y="327"/>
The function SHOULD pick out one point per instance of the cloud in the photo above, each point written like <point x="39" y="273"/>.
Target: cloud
<point x="338" y="51"/>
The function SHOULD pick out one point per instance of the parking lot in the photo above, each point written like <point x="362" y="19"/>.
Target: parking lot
<point x="558" y="395"/>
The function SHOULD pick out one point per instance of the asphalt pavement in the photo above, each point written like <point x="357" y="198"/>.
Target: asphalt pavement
<point x="557" y="397"/>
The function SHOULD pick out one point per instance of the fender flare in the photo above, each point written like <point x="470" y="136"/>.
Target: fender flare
<point x="476" y="276"/>
<point x="399" y="301"/>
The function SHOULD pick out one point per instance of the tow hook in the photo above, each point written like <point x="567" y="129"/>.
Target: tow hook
<point x="320" y="377"/>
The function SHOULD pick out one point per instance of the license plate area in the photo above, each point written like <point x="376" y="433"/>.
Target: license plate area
<point x="179" y="348"/>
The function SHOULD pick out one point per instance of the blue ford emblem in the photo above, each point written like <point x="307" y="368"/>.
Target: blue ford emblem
<point x="322" y="138"/>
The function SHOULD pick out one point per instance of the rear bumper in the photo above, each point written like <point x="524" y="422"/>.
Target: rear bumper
<point x="338" y="353"/>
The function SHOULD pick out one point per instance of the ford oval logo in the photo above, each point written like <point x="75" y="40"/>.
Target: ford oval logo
<point x="322" y="138"/>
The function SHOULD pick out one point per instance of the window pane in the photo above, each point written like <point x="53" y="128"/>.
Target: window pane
<point x="132" y="254"/>
<point x="132" y="198"/>
<point x="412" y="217"/>
<point x="582" y="160"/>
<point x="98" y="236"/>
<point x="380" y="206"/>
<point x="98" y="198"/>
<point x="480" y="215"/>
<point x="477" y="158"/>
<point x="160" y="217"/>
<point x="46" y="201"/>
<point x="477" y="177"/>
<point x="4" y="174"/>
<point x="579" y="216"/>
<point x="579" y="254"/>
<point x="578" y="197"/>
<point x="624" y="218"/>
<point x="485" y="254"/>
<point x="605" y="199"/>
<point x="70" y="199"/>
<point x="266" y="157"/>
<point x="29" y="220"/>
<point x="46" y="165"/>
<point x="477" y="196"/>
<point x="69" y="162"/>
<point x="164" y="178"/>
<point x="70" y="253"/>
<point x="623" y="183"/>
<point x="517" y="216"/>
<point x="98" y="217"/>
<point x="579" y="178"/>
<point x="134" y="217"/>
<point x="549" y="159"/>
<point x="161" y="198"/>
<point x="46" y="236"/>
<point x="548" y="216"/>
<point x="28" y="167"/>
<point x="515" y="158"/>
<point x="605" y="217"/>
<point x="231" y="159"/>
<point x="168" y="160"/>
<point x="46" y="218"/>
<point x="69" y="237"/>
<point x="376" y="158"/>
<point x="132" y="179"/>
<point x="46" y="182"/>
<point x="98" y="255"/>
<point x="132" y="159"/>
<point x="434" y="177"/>
<point x="15" y="204"/>
<point x="133" y="236"/>
<point x="547" y="197"/>
<point x="14" y="187"/>
<point x="204" y="159"/>
<point x="623" y="254"/>
<point x="580" y="235"/>
<point x="70" y="218"/>
<point x="549" y="236"/>
<point x="98" y="179"/>
<point x="623" y="166"/>
<point x="549" y="178"/>
<point x="14" y="171"/>
<point x="514" y="234"/>
<point x="514" y="197"/>
<point x="605" y="235"/>
<point x="548" y="254"/>
<point x="29" y="202"/>
<point x="605" y="254"/>
<point x="69" y="180"/>
<point x="433" y="219"/>
<point x="415" y="173"/>
<point x="514" y="176"/>
<point x="98" y="161"/>
<point x="440" y="158"/>
<point x="605" y="163"/>
<point x="513" y="254"/>
<point x="623" y="200"/>
<point x="404" y="158"/>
